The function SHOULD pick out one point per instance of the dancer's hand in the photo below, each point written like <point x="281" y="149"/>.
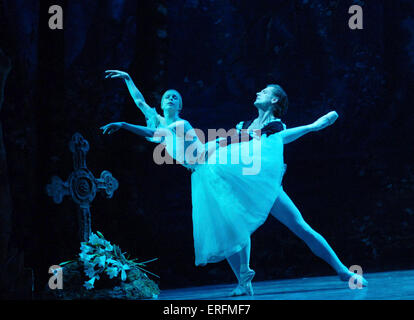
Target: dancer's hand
<point x="112" y="74"/>
<point x="111" y="128"/>
<point x="324" y="121"/>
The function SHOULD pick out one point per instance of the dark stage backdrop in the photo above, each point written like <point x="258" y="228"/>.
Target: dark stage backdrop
<point x="353" y="182"/>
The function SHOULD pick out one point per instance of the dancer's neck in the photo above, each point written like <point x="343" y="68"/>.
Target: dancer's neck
<point x="264" y="117"/>
<point x="170" y="117"/>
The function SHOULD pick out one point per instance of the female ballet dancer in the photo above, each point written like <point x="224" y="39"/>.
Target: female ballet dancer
<point x="274" y="98"/>
<point x="222" y="195"/>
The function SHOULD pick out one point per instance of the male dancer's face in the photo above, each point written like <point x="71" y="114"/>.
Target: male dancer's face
<point x="265" y="99"/>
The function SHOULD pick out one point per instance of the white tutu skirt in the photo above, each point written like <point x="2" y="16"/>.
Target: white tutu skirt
<point x="230" y="201"/>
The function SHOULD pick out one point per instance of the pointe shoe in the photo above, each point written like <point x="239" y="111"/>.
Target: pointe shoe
<point x="331" y="117"/>
<point x="247" y="276"/>
<point x="238" y="291"/>
<point x="347" y="276"/>
<point x="243" y="290"/>
<point x="325" y="121"/>
<point x="244" y="287"/>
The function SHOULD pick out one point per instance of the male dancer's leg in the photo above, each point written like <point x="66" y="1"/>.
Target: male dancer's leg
<point x="286" y="212"/>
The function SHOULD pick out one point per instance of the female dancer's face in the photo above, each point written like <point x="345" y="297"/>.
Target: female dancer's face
<point x="171" y="101"/>
<point x="265" y="99"/>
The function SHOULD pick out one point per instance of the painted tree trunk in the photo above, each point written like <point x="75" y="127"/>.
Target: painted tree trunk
<point x="5" y="196"/>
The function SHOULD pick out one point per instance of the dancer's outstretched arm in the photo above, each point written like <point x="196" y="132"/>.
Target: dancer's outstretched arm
<point x="149" y="113"/>
<point x="138" y="130"/>
<point x="292" y="134"/>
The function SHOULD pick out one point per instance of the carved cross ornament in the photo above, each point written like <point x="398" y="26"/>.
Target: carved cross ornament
<point x="81" y="185"/>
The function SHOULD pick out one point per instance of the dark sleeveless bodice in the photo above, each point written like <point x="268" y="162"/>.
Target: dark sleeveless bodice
<point x="269" y="129"/>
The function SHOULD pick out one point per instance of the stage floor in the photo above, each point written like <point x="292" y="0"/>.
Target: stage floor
<point x="396" y="285"/>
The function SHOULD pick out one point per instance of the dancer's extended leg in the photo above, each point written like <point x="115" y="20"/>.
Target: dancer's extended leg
<point x="286" y="212"/>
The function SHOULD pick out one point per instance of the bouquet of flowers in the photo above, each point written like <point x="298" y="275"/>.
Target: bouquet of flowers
<point x="100" y="257"/>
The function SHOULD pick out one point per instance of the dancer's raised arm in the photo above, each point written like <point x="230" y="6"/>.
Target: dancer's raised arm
<point x="149" y="113"/>
<point x="290" y="135"/>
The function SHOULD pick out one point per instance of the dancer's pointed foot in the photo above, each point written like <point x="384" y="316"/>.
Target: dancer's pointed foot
<point x="346" y="276"/>
<point x="246" y="290"/>
<point x="244" y="287"/>
<point x="325" y="121"/>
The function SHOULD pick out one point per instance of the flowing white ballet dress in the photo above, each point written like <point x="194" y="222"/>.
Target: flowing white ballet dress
<point x="229" y="200"/>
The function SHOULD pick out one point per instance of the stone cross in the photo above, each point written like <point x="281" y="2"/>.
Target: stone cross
<point x="82" y="185"/>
